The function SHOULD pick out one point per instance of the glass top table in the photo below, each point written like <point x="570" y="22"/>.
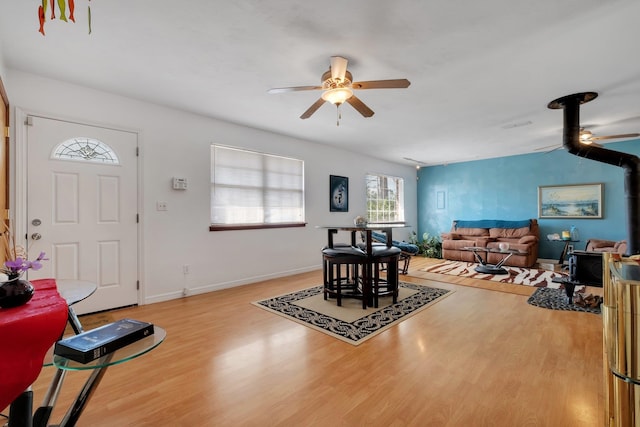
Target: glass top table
<point x="74" y="291"/>
<point x="498" y="268"/>
<point x="386" y="228"/>
<point x="98" y="367"/>
<point x="121" y="355"/>
<point x="565" y="248"/>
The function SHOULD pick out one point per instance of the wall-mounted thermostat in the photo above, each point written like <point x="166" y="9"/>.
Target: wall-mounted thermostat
<point x="179" y="183"/>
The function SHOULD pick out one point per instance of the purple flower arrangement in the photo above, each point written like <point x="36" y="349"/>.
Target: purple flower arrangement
<point x="17" y="262"/>
<point x="15" y="268"/>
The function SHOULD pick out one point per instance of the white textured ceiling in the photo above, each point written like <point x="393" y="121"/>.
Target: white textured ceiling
<point x="481" y="72"/>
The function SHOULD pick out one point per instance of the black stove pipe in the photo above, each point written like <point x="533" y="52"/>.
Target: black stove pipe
<point x="629" y="162"/>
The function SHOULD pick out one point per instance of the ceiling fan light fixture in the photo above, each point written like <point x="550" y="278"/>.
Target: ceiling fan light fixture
<point x="338" y="87"/>
<point x="585" y="136"/>
<point x="337" y="95"/>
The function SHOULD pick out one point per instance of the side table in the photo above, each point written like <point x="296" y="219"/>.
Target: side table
<point x="99" y="367"/>
<point x="73" y="291"/>
<point x="565" y="249"/>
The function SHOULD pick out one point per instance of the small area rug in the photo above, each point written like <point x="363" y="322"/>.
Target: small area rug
<point x="517" y="275"/>
<point x="350" y="323"/>
<point x="556" y="299"/>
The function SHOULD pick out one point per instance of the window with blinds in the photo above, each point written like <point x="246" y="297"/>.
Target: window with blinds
<point x="255" y="190"/>
<point x="385" y="198"/>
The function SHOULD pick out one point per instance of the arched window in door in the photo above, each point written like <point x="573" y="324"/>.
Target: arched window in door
<point x="85" y="150"/>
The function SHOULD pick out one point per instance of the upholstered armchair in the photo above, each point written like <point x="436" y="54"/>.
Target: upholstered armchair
<point x="600" y="245"/>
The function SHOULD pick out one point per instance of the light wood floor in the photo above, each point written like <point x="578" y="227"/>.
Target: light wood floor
<point x="476" y="358"/>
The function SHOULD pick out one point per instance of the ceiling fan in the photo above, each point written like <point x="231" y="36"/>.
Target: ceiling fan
<point x="338" y="86"/>
<point x="588" y="138"/>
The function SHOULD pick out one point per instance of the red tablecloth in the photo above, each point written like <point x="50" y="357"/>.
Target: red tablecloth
<point x="26" y="333"/>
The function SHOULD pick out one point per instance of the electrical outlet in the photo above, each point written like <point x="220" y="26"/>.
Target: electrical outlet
<point x="570" y="248"/>
<point x="185" y="269"/>
<point x="161" y="206"/>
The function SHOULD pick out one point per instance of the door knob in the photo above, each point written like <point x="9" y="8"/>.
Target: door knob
<point x="36" y="236"/>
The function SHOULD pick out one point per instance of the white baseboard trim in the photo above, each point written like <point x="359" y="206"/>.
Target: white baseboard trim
<point x="224" y="285"/>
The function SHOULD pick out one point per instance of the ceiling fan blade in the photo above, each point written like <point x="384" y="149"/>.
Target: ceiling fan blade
<point x="590" y="143"/>
<point x="550" y="148"/>
<point x="560" y="147"/>
<point x="360" y="106"/>
<point x="312" y="109"/>
<point x="546" y="148"/>
<point x="382" y="84"/>
<point x="621" y="136"/>
<point x="292" y="89"/>
<point x="338" y="67"/>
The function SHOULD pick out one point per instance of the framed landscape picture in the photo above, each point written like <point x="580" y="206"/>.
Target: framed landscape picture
<point x="338" y="193"/>
<point x="570" y="201"/>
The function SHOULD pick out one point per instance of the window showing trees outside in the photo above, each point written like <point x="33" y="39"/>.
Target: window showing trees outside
<point x="251" y="188"/>
<point x="385" y="198"/>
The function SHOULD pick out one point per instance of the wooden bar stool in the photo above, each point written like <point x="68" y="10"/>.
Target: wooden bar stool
<point x="350" y="274"/>
<point x="384" y="258"/>
<point x="351" y="261"/>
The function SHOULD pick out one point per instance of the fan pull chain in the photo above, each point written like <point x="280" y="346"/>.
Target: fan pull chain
<point x="339" y="114"/>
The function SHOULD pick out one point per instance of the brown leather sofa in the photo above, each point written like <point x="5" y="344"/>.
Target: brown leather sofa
<point x="520" y="235"/>
<point x="600" y="245"/>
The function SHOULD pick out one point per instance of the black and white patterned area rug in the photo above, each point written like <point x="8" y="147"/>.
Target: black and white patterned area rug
<point x="350" y="322"/>
<point x="556" y="299"/>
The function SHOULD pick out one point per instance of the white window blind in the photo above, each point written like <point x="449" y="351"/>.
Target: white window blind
<point x="253" y="188"/>
<point x="385" y="198"/>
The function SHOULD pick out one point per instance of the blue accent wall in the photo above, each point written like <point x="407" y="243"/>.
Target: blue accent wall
<point x="507" y="188"/>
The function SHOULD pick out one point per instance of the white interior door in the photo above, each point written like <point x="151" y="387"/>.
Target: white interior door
<point x="82" y="208"/>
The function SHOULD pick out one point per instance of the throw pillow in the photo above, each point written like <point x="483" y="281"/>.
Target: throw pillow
<point x="527" y="239"/>
<point x="509" y="233"/>
<point x="597" y="243"/>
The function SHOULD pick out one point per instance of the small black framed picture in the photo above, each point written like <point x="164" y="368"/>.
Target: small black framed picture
<point x="338" y="193"/>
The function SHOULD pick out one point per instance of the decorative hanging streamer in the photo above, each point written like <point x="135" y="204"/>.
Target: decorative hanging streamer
<point x="63" y="5"/>
<point x="41" y="17"/>
<point x="72" y="6"/>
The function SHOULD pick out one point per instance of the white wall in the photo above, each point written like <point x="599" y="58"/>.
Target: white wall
<point x="176" y="143"/>
<point x="2" y="66"/>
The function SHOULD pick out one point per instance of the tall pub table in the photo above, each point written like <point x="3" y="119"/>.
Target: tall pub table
<point x="367" y="230"/>
<point x="386" y="228"/>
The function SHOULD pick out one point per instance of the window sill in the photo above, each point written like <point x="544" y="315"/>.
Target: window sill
<point x="224" y="227"/>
